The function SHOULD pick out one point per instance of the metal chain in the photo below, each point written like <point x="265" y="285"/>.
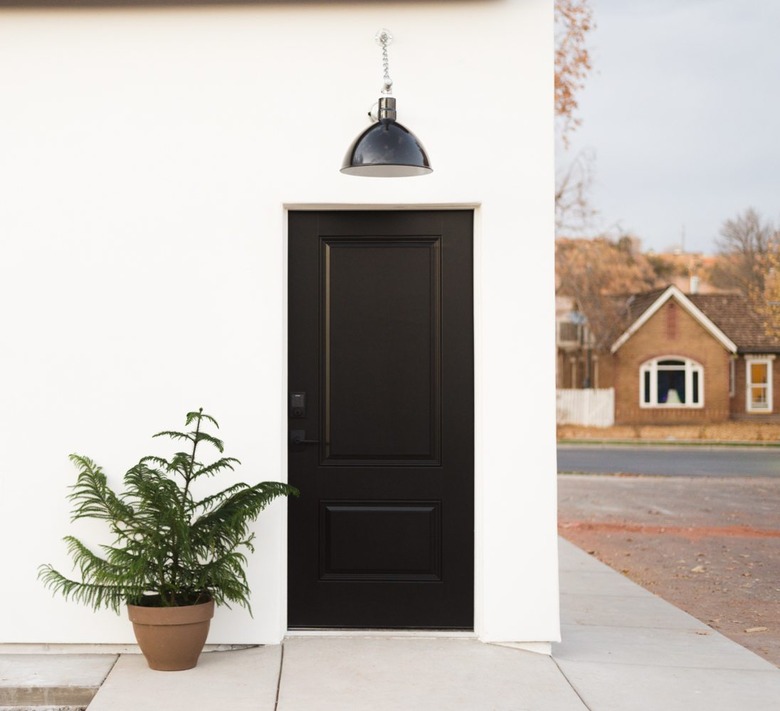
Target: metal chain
<point x="384" y="38"/>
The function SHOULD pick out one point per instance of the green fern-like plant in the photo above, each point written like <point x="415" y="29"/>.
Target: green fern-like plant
<point x="168" y="548"/>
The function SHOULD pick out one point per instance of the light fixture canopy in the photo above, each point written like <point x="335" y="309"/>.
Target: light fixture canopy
<point x="386" y="149"/>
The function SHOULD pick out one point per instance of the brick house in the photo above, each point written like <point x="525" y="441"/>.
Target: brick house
<point x="579" y="363"/>
<point x="694" y="358"/>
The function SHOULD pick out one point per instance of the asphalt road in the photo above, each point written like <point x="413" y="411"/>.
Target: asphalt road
<point x="670" y="460"/>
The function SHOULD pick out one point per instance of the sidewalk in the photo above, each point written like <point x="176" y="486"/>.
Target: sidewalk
<point x="623" y="649"/>
<point x="734" y="433"/>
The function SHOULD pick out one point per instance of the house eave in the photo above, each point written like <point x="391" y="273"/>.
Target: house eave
<point x="673" y="292"/>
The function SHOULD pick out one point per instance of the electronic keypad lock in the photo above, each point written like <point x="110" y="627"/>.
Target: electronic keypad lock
<point x="297" y="405"/>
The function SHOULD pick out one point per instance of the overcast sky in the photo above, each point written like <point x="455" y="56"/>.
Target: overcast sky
<point x="682" y="114"/>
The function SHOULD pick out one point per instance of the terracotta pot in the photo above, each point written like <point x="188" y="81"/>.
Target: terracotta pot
<point x="171" y="638"/>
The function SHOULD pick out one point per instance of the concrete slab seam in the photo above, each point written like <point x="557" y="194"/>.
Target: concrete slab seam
<point x="116" y="659"/>
<point x="279" y="678"/>
<point x="571" y="684"/>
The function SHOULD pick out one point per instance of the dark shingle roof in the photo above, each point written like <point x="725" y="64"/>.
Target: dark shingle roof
<point x="637" y="304"/>
<point x="731" y="313"/>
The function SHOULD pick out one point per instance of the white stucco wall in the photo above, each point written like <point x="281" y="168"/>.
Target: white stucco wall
<point x="146" y="159"/>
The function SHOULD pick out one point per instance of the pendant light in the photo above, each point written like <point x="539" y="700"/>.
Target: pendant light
<point x="386" y="149"/>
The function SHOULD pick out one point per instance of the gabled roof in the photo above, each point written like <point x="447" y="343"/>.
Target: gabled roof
<point x="732" y="314"/>
<point x="643" y="306"/>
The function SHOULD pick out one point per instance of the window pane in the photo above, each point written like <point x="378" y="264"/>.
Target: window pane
<point x="695" y="386"/>
<point x="671" y="387"/>
<point x="646" y="388"/>
<point x="758" y="397"/>
<point x="732" y="377"/>
<point x="671" y="362"/>
<point x="758" y="373"/>
<point x="569" y="332"/>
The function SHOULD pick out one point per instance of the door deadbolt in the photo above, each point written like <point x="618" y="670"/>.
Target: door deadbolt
<point x="297" y="405"/>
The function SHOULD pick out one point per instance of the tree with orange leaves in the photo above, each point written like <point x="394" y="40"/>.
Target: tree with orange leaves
<point x="599" y="274"/>
<point x="573" y="22"/>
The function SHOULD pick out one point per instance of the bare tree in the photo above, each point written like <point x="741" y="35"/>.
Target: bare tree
<point x="573" y="211"/>
<point x="743" y="246"/>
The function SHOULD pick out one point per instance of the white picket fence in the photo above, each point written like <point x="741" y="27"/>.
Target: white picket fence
<point x="592" y="408"/>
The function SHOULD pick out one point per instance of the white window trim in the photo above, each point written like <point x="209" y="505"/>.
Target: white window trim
<point x="749" y="407"/>
<point x="651" y="366"/>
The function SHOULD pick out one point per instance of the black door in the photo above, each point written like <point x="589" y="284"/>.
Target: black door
<point x="381" y="381"/>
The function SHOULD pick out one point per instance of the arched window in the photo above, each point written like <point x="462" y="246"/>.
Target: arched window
<point x="671" y="381"/>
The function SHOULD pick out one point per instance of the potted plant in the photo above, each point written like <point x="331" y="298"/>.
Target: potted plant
<point x="174" y="555"/>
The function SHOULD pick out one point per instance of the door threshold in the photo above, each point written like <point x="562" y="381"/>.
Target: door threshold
<point x="389" y="633"/>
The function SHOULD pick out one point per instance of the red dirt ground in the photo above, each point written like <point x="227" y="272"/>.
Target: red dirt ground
<point x="709" y="546"/>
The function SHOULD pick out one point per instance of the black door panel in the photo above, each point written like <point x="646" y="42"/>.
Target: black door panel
<point x="381" y="347"/>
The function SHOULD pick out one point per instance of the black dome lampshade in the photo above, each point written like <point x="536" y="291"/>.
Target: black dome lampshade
<point x="386" y="149"/>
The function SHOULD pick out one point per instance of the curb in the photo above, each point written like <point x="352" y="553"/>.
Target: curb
<point x="669" y="442"/>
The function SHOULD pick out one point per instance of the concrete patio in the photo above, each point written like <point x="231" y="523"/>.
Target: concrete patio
<point x="623" y="649"/>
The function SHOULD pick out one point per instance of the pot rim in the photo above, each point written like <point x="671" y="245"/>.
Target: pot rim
<point x="178" y="615"/>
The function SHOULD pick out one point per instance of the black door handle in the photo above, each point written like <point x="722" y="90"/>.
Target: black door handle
<point x="299" y="437"/>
